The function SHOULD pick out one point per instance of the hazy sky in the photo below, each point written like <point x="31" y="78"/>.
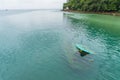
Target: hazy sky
<point x="25" y="4"/>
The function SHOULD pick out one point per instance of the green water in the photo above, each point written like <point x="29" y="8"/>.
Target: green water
<point x="40" y="45"/>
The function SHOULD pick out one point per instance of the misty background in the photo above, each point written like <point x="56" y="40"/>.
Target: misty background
<point x="31" y="4"/>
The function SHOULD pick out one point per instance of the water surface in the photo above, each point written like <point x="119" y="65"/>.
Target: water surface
<point x="40" y="45"/>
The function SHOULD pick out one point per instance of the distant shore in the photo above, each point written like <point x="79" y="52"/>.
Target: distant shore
<point x="104" y="13"/>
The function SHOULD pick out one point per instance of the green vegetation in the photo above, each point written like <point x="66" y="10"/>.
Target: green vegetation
<point x="93" y="5"/>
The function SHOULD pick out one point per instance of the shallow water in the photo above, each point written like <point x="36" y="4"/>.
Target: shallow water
<point x="40" y="45"/>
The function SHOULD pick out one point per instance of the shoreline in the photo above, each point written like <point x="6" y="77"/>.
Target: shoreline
<point x="103" y="13"/>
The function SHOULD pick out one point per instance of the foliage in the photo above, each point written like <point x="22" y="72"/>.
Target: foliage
<point x="93" y="5"/>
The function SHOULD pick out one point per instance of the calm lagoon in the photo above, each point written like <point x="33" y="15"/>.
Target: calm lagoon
<point x="40" y="45"/>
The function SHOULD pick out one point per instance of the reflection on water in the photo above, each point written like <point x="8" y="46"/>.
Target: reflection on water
<point x="40" y="45"/>
<point x="103" y="38"/>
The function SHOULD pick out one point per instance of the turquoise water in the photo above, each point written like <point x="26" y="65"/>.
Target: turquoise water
<point x="40" y="45"/>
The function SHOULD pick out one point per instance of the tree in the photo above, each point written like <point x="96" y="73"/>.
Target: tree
<point x="94" y="5"/>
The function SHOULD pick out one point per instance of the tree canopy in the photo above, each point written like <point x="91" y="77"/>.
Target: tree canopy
<point x="93" y="5"/>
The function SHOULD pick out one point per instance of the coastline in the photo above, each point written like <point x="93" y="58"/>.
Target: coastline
<point x="104" y="13"/>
